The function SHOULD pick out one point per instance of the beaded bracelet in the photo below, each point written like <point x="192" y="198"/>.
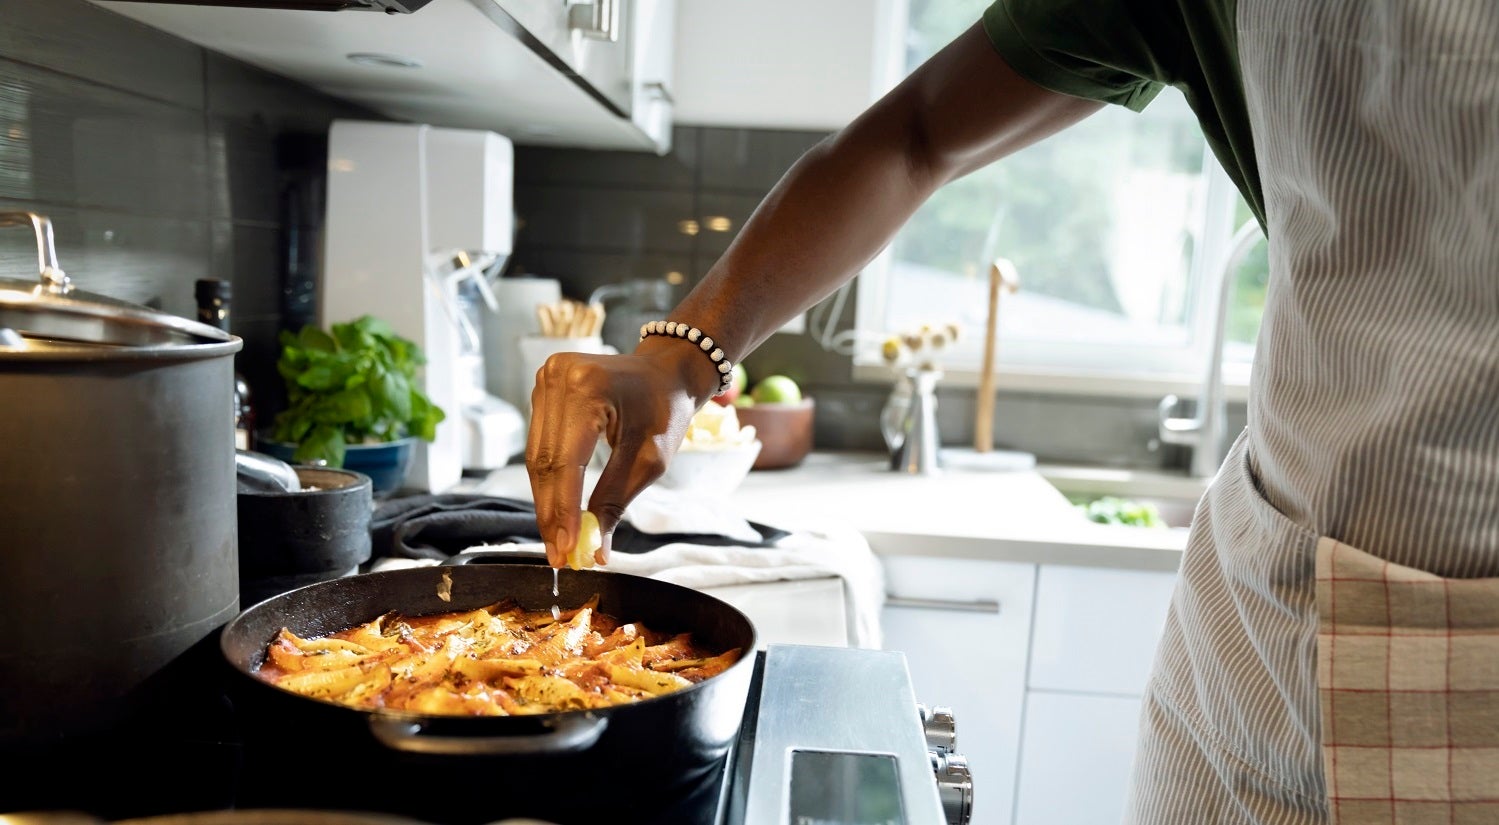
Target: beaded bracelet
<point x="674" y="329"/>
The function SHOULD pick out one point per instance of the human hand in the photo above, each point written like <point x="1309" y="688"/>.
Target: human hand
<point x="641" y="403"/>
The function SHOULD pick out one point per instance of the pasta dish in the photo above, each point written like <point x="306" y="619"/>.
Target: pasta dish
<point x="499" y="660"/>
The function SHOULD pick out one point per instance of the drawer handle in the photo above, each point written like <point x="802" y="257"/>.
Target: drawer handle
<point x="980" y="606"/>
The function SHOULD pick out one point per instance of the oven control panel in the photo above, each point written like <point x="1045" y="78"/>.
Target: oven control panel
<point x="835" y="736"/>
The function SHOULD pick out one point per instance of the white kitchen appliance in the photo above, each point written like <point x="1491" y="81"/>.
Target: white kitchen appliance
<point x="419" y="218"/>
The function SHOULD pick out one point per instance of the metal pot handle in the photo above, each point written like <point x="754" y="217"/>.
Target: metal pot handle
<point x="517" y="553"/>
<point x="569" y="734"/>
<point x="53" y="278"/>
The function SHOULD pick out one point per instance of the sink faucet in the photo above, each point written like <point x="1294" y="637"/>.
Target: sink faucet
<point x="1206" y="432"/>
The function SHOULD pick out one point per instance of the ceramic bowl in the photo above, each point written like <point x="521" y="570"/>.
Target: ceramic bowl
<point x="716" y="471"/>
<point x="784" y="429"/>
<point x="712" y="472"/>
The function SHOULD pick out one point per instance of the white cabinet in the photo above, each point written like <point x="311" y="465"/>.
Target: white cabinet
<point x="784" y="64"/>
<point x="1093" y="642"/>
<point x="1043" y="666"/>
<point x="963" y="627"/>
<point x="1076" y="758"/>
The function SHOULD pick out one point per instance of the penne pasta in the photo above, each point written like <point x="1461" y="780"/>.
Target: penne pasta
<point x="495" y="661"/>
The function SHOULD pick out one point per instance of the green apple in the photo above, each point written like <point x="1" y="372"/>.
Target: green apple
<point x="744" y="401"/>
<point x="741" y="378"/>
<point x="776" y="389"/>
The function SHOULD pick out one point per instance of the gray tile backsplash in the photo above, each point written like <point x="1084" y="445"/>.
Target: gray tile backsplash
<point x="71" y="37"/>
<point x="750" y="160"/>
<point x="591" y="218"/>
<point x="160" y="163"/>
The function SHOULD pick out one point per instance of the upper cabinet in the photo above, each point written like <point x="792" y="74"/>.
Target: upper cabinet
<point x="592" y="75"/>
<point x="785" y="64"/>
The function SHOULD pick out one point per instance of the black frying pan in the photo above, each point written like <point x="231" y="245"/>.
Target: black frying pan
<point x="568" y="767"/>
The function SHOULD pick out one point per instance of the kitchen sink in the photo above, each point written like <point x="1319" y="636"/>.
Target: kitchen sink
<point x="1173" y="496"/>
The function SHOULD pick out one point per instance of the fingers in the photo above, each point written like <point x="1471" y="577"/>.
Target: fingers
<point x="631" y="468"/>
<point x="565" y="427"/>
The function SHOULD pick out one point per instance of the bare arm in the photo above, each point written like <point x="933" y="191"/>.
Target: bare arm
<point x="834" y="210"/>
<point x="845" y="199"/>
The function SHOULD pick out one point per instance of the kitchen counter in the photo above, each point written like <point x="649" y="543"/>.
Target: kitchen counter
<point x="1003" y="516"/>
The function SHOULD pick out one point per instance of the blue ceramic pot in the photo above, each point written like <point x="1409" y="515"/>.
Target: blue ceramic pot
<point x="386" y="464"/>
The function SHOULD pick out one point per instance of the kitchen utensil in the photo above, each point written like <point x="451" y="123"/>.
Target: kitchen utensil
<point x="288" y="539"/>
<point x="117" y="506"/>
<point x="548" y="765"/>
<point x="570" y="319"/>
<point x="260" y="473"/>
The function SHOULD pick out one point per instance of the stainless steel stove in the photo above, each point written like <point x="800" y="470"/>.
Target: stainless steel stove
<point x="831" y="736"/>
<point x="836" y="736"/>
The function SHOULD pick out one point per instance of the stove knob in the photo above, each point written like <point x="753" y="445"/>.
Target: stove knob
<point x="954" y="787"/>
<point x="940" y="727"/>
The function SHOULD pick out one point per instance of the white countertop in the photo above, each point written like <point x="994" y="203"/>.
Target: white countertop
<point x="1002" y="516"/>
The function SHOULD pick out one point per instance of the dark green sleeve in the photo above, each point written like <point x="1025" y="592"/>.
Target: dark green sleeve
<point x="1112" y="51"/>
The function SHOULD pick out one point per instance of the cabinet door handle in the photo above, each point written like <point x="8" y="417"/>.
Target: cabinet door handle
<point x="979" y="606"/>
<point x="658" y="90"/>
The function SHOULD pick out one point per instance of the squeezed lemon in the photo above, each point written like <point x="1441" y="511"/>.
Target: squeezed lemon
<point x="589" y="540"/>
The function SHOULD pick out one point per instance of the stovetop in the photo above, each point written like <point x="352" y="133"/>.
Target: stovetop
<point x="831" y="735"/>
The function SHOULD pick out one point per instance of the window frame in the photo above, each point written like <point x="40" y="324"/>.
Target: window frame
<point x="1216" y="227"/>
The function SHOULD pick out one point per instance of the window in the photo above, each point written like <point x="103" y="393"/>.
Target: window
<point x="1117" y="229"/>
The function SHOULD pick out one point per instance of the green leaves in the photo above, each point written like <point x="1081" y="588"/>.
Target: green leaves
<point x="351" y="384"/>
<point x="1115" y="510"/>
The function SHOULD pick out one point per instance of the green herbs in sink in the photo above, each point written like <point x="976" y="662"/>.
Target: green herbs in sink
<point x="355" y="383"/>
<point x="1115" y="510"/>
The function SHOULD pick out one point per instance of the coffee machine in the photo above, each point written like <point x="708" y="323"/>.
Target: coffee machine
<point x="419" y="220"/>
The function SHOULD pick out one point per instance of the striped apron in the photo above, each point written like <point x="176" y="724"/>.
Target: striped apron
<point x="1332" y="650"/>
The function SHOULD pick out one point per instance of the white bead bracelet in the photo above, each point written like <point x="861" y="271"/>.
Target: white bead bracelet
<point x="673" y="329"/>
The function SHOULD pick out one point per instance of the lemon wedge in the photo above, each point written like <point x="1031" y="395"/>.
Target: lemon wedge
<point x="589" y="540"/>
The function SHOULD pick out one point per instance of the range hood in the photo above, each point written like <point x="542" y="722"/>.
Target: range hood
<point x="387" y="6"/>
<point x="592" y="74"/>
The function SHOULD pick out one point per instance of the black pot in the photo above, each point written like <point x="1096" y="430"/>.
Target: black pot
<point x="637" y="763"/>
<point x="117" y="524"/>
<point x="289" y="540"/>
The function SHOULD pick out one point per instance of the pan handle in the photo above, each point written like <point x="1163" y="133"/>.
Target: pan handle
<point x="517" y="553"/>
<point x="568" y="735"/>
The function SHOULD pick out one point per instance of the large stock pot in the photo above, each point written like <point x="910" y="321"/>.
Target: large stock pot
<point x="117" y="496"/>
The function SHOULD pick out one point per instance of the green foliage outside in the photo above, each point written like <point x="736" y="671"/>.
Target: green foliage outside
<point x="1246" y="301"/>
<point x="1050" y="206"/>
<point x="352" y="384"/>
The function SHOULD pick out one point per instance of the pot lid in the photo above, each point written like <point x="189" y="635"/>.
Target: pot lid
<point x="51" y="314"/>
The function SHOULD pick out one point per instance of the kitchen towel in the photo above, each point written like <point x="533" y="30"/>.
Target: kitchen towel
<point x="434" y="527"/>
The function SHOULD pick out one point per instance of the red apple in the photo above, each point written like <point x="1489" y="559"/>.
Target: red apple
<point x="736" y="388"/>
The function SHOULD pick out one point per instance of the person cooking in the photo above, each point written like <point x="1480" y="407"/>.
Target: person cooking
<point x="1330" y="653"/>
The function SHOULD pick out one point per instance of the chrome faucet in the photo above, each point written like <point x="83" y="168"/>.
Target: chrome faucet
<point x="1206" y="432"/>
